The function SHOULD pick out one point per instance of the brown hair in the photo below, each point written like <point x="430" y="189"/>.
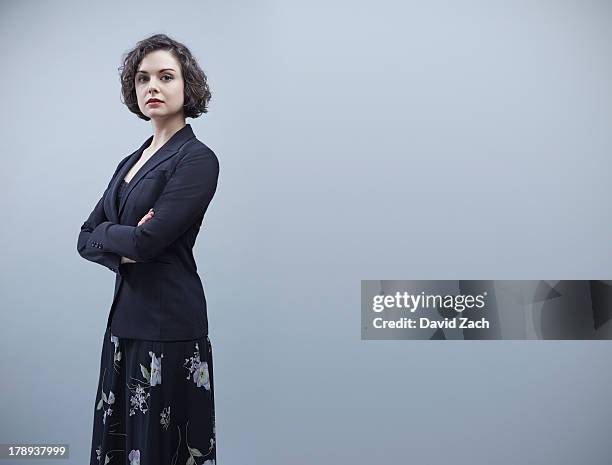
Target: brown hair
<point x="197" y="92"/>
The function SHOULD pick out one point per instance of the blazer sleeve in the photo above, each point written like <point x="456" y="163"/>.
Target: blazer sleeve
<point x="185" y="197"/>
<point x="84" y="245"/>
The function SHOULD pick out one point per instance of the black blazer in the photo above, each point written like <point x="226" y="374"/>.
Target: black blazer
<point x="161" y="296"/>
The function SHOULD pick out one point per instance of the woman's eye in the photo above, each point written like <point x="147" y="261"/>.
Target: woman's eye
<point x="168" y="76"/>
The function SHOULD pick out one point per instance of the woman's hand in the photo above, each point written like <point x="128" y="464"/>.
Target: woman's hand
<point x="147" y="217"/>
<point x="143" y="220"/>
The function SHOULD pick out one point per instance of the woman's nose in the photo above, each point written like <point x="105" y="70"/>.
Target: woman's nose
<point x="152" y="84"/>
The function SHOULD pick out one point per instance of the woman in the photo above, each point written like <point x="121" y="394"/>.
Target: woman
<point x="155" y="398"/>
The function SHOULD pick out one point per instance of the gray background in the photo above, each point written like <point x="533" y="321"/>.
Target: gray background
<point x="402" y="140"/>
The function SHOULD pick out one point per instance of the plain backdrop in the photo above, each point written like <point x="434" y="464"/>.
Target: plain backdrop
<point x="356" y="140"/>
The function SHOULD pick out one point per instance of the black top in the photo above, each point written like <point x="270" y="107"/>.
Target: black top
<point x="120" y="191"/>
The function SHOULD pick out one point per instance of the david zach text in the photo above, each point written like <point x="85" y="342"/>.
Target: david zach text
<point x="411" y="323"/>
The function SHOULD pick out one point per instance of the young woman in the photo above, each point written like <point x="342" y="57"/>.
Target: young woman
<point x="155" y="398"/>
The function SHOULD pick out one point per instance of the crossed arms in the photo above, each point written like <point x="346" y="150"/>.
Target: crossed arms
<point x="185" y="197"/>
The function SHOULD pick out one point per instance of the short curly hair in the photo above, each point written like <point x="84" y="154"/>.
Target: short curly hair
<point x="197" y="92"/>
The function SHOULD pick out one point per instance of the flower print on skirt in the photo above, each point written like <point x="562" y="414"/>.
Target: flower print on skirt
<point x="155" y="403"/>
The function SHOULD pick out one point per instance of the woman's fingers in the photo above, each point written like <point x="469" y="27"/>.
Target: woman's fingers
<point x="147" y="217"/>
<point x="144" y="220"/>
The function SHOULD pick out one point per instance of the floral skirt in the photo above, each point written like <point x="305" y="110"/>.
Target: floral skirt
<point x="155" y="403"/>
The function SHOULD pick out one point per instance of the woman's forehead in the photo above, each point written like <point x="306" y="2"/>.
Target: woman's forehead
<point x="158" y="61"/>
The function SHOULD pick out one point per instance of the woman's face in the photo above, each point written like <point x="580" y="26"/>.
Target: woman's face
<point x="159" y="76"/>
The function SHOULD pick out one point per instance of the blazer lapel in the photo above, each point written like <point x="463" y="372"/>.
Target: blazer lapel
<point x="110" y="202"/>
<point x="171" y="146"/>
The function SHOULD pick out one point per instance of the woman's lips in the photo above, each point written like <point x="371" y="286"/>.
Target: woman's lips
<point x="154" y="102"/>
